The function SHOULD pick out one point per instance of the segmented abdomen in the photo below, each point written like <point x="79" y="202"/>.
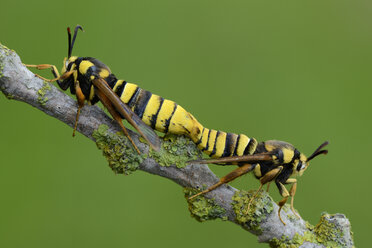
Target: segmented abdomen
<point x="168" y="117"/>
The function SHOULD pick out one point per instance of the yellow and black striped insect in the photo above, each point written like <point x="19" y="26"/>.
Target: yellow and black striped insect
<point x="271" y="160"/>
<point x="92" y="81"/>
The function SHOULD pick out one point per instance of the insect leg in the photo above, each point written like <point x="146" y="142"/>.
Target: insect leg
<point x="268" y="187"/>
<point x="292" y="193"/>
<point x="228" y="178"/>
<point x="284" y="192"/>
<point x="57" y="78"/>
<point x="106" y="102"/>
<point x="267" y="178"/>
<point x="46" y="66"/>
<point x="81" y="99"/>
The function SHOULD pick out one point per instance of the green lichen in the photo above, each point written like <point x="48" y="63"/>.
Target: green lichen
<point x="175" y="150"/>
<point x="328" y="233"/>
<point x="42" y="99"/>
<point x="118" y="150"/>
<point x="324" y="233"/>
<point x="285" y="242"/>
<point x="203" y="209"/>
<point x="258" y="210"/>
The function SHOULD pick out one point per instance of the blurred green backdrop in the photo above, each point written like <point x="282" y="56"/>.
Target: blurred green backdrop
<point x="297" y="71"/>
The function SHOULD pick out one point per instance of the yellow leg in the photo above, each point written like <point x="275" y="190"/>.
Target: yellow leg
<point x="292" y="193"/>
<point x="285" y="194"/>
<point x="80" y="99"/>
<point x="267" y="178"/>
<point x="228" y="178"/>
<point x="54" y="71"/>
<point x="268" y="187"/>
<point x="251" y="200"/>
<point x="46" y="66"/>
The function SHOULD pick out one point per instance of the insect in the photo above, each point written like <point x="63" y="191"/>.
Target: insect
<point x="91" y="80"/>
<point x="271" y="160"/>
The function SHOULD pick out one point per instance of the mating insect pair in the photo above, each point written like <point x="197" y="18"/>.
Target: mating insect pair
<point x="91" y="80"/>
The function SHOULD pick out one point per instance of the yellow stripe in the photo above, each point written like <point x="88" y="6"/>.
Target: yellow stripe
<point x="257" y="171"/>
<point x="211" y="141"/>
<point x="104" y="73"/>
<point x="220" y="144"/>
<point x="243" y="141"/>
<point x="128" y="92"/>
<point x="204" y="140"/>
<point x="196" y="131"/>
<point x="118" y="83"/>
<point x="151" y="109"/>
<point x="181" y="122"/>
<point x="164" y="114"/>
<point x="287" y="155"/>
<point x="91" y="95"/>
<point x="84" y="66"/>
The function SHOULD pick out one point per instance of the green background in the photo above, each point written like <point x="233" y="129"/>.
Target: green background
<point x="297" y="71"/>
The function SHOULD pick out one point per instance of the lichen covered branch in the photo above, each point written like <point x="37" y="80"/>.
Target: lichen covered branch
<point x="226" y="203"/>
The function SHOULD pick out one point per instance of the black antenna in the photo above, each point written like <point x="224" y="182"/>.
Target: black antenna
<point x="318" y="151"/>
<point x="71" y="43"/>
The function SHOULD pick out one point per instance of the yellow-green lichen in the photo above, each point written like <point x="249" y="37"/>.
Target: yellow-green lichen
<point x="42" y="99"/>
<point x="324" y="233"/>
<point x="175" y="150"/>
<point x="285" y="242"/>
<point x="118" y="150"/>
<point x="203" y="209"/>
<point x="259" y="208"/>
<point x="327" y="233"/>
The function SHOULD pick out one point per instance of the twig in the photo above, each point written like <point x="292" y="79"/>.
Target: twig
<point x="226" y="202"/>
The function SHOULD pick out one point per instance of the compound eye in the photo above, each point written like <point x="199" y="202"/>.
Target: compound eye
<point x="300" y="166"/>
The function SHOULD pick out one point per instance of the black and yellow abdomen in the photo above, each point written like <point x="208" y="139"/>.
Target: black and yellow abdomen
<point x="161" y="114"/>
<point x="168" y="117"/>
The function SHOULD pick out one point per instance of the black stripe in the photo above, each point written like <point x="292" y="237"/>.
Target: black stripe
<point x="167" y="121"/>
<point x="252" y="145"/>
<point x="247" y="148"/>
<point x="215" y="142"/>
<point x="228" y="144"/>
<point x="206" y="147"/>
<point x="260" y="148"/>
<point x="142" y="102"/>
<point x="111" y="80"/>
<point x="280" y="155"/>
<point x="155" y="116"/>
<point x="201" y="137"/>
<point x="120" y="88"/>
<point x="296" y="155"/>
<point x="236" y="145"/>
<point x="133" y="99"/>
